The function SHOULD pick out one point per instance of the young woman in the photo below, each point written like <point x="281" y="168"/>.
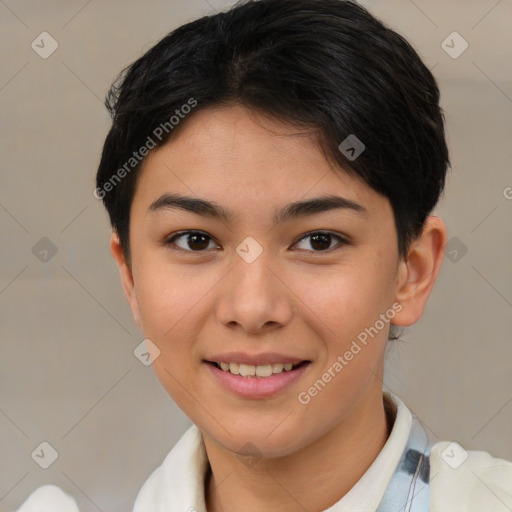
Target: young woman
<point x="270" y="176"/>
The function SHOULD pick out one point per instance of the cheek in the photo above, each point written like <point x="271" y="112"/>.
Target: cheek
<point x="345" y="300"/>
<point x="169" y="304"/>
<point x="343" y="311"/>
<point x="173" y="302"/>
<point x="167" y="293"/>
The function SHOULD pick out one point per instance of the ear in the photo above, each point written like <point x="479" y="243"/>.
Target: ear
<point x="126" y="276"/>
<point x="417" y="273"/>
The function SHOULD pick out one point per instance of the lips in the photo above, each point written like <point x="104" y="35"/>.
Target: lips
<point x="254" y="386"/>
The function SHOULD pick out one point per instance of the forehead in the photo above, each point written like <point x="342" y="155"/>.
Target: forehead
<point x="236" y="156"/>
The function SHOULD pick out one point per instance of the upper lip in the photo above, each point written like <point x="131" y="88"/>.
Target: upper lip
<point x="255" y="359"/>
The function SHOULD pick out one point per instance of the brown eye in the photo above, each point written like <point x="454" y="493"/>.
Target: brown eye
<point x="321" y="241"/>
<point x="191" y="241"/>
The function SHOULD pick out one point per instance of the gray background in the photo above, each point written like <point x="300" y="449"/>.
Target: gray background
<point x="68" y="375"/>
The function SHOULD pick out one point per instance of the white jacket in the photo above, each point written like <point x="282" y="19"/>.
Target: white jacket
<point x="460" y="481"/>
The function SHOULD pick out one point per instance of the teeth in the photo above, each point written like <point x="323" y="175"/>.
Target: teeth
<point x="246" y="370"/>
<point x="249" y="370"/>
<point x="264" y="371"/>
<point x="277" y="368"/>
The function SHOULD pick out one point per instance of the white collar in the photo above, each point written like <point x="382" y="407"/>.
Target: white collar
<point x="178" y="484"/>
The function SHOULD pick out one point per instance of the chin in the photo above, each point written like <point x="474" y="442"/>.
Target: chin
<point x="257" y="443"/>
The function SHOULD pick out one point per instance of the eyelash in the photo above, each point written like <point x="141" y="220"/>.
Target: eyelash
<point x="342" y="241"/>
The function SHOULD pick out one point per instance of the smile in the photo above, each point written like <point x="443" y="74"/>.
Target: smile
<point x="257" y="381"/>
<point x="262" y="371"/>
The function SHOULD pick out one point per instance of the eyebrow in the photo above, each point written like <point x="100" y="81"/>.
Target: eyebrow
<point x="291" y="211"/>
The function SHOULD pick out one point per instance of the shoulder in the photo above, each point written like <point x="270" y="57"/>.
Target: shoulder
<point x="179" y="480"/>
<point x="150" y="495"/>
<point x="49" y="498"/>
<point x="468" y="481"/>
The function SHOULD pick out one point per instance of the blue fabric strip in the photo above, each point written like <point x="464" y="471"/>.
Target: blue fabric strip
<point x="409" y="488"/>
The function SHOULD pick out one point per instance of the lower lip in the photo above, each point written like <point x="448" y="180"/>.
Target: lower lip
<point x="258" y="387"/>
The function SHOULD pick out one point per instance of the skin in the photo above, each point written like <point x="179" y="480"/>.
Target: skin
<point x="293" y="299"/>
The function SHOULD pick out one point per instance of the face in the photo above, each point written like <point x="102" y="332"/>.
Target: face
<point x="257" y="276"/>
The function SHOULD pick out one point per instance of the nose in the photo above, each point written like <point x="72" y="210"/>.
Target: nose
<point x="253" y="297"/>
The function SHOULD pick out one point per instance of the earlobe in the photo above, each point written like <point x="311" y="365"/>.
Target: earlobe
<point x="125" y="272"/>
<point x="417" y="273"/>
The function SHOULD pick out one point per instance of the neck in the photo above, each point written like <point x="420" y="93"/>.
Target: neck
<point x="313" y="478"/>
